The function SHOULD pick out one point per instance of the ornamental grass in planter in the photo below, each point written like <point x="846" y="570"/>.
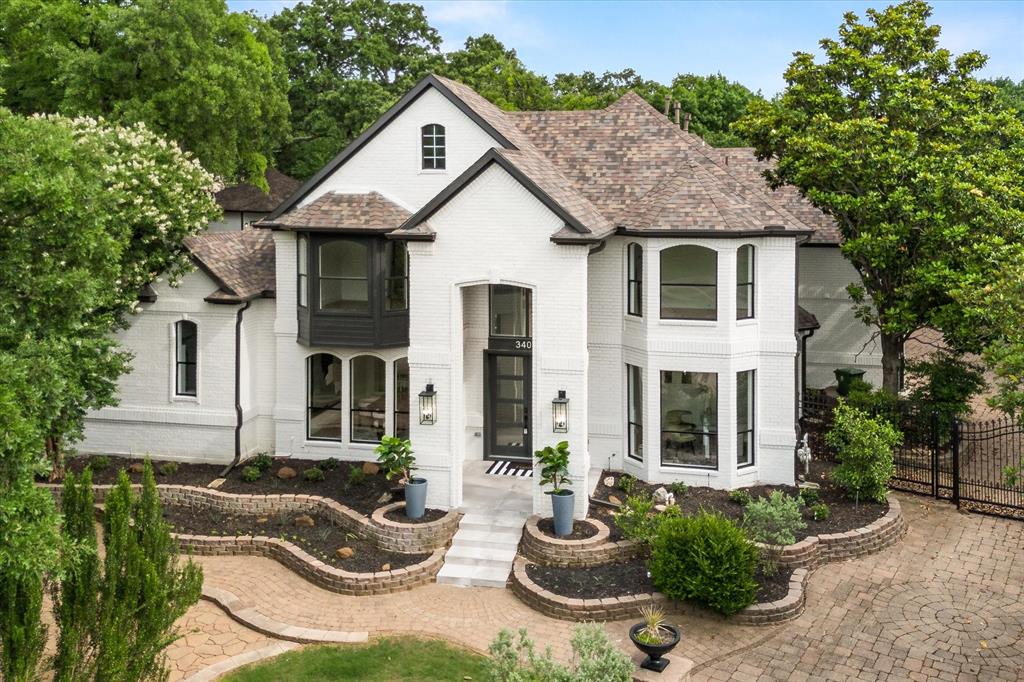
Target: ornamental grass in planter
<point x="654" y="637"/>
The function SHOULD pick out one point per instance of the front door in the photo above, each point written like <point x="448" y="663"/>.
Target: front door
<point x="507" y="405"/>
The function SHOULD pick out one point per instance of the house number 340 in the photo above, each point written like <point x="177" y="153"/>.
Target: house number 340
<point x="523" y="345"/>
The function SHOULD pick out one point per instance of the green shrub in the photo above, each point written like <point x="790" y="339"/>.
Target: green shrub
<point x="945" y="382"/>
<point x="262" y="461"/>
<point x="810" y="495"/>
<point x="627" y="483"/>
<point x="864" y="446"/>
<point x="168" y="468"/>
<point x="876" y="402"/>
<point x="705" y="558"/>
<point x="678" y="489"/>
<point x="99" y="462"/>
<point x="775" y="520"/>
<point x="356" y="476"/>
<point x="329" y="464"/>
<point x="595" y="659"/>
<point x="395" y="457"/>
<point x="740" y="497"/>
<point x="313" y="474"/>
<point x="635" y="518"/>
<point x="251" y="474"/>
<point x="820" y="511"/>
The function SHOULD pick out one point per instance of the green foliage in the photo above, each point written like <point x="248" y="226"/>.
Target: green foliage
<point x="587" y="90"/>
<point x="313" y="474"/>
<point x="22" y="635"/>
<point x="865" y="449"/>
<point x="595" y="659"/>
<point x="356" y="476"/>
<point x="100" y="463"/>
<point x="705" y="558"/>
<point x="329" y="464"/>
<point x="945" y="382"/>
<point x="554" y="466"/>
<point x="1009" y="94"/>
<point x="875" y="402"/>
<point x="820" y="511"/>
<point x="168" y="468"/>
<point x="251" y="474"/>
<point x="637" y="519"/>
<point x="678" y="488"/>
<point x="918" y="162"/>
<point x="395" y="458"/>
<point x="497" y="73"/>
<point x="715" y="102"/>
<point x="775" y="520"/>
<point x="212" y="80"/>
<point x="627" y="483"/>
<point x="810" y="495"/>
<point x="740" y="497"/>
<point x="262" y="461"/>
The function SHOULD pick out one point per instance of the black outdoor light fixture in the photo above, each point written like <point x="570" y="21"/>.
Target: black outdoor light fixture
<point x="560" y="413"/>
<point x="428" y="405"/>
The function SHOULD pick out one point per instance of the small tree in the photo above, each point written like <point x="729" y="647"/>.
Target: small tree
<point x="865" y="449"/>
<point x="395" y="456"/>
<point x="554" y="466"/>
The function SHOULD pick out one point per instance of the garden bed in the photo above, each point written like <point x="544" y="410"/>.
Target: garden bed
<point x="844" y="513"/>
<point x="105" y="470"/>
<point x="581" y="530"/>
<point x="321" y="540"/>
<point x="397" y="515"/>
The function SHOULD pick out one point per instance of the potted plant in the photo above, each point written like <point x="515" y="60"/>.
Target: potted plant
<point x="554" y="471"/>
<point x="654" y="637"/>
<point x="395" y="457"/>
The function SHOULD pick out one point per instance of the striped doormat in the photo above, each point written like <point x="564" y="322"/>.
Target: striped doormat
<point x="504" y="467"/>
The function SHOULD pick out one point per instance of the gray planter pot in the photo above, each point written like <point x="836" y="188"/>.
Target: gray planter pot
<point x="415" y="497"/>
<point x="561" y="510"/>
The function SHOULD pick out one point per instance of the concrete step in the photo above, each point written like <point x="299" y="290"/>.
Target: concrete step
<point x="500" y="539"/>
<point x="487" y="522"/>
<point x="472" y="555"/>
<point x="467" y="575"/>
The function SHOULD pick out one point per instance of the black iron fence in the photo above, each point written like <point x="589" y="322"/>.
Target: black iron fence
<point x="977" y="465"/>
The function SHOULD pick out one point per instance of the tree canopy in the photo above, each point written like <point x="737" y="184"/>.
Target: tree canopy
<point x="918" y="162"/>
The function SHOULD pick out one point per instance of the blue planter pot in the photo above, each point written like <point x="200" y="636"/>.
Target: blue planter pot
<point x="562" y="508"/>
<point x="415" y="497"/>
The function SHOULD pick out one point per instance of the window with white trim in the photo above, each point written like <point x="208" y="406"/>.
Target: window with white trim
<point x="369" y="387"/>
<point x="323" y="402"/>
<point x="635" y="279"/>
<point x="635" y="412"/>
<point x="745" y="282"/>
<point x="402" y="398"/>
<point x="433" y="146"/>
<point x="186" y="358"/>
<point x="745" y="385"/>
<point x="689" y="283"/>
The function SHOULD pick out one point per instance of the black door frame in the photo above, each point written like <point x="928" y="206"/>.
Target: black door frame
<point x="490" y="386"/>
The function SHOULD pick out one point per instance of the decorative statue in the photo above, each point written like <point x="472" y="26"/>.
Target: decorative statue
<point x="803" y="453"/>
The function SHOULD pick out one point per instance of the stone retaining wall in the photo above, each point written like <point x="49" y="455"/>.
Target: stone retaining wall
<point x="594" y="551"/>
<point x="780" y="610"/>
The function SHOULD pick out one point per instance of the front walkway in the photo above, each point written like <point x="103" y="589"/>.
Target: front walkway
<point x="945" y="604"/>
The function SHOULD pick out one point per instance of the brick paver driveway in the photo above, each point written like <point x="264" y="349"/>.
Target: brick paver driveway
<point x="945" y="604"/>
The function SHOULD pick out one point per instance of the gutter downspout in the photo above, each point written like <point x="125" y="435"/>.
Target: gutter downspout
<point x="238" y="389"/>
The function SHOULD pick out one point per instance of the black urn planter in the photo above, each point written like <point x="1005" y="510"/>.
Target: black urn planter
<point x="654" y="660"/>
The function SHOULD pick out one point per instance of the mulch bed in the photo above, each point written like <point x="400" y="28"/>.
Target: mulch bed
<point x="320" y="541"/>
<point x="187" y="474"/>
<point x="628" y="578"/>
<point x="398" y="516"/>
<point x="844" y="514"/>
<point x="580" y="530"/>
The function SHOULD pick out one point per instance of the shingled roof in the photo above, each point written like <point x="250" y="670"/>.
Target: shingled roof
<point x="369" y="212"/>
<point x="250" y="198"/>
<point x="241" y="263"/>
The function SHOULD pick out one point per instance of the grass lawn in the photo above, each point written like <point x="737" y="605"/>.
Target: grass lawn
<point x="385" y="660"/>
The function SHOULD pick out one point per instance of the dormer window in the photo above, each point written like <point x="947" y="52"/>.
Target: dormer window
<point x="433" y="146"/>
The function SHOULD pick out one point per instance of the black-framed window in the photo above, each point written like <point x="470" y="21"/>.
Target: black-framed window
<point x="689" y="283"/>
<point x="303" y="269"/>
<point x="369" y="386"/>
<point x="509" y="310"/>
<point x="745" y="282"/>
<point x="344" y="268"/>
<point x="745" y="391"/>
<point x="635" y="412"/>
<point x="402" y="397"/>
<point x="323" y="397"/>
<point x="689" y="419"/>
<point x="396" y="276"/>
<point x="186" y="357"/>
<point x="635" y="280"/>
<point x="433" y="146"/>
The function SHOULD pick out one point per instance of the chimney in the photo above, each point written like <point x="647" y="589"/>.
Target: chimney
<point x="686" y="123"/>
<point x="676" y="106"/>
<point x="668" y="104"/>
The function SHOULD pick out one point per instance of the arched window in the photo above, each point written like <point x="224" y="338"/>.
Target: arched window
<point x="323" y="401"/>
<point x="689" y="287"/>
<point x="402" y="397"/>
<point x="745" y="282"/>
<point x="635" y="279"/>
<point x="433" y="146"/>
<point x="368" y="395"/>
<point x="186" y="358"/>
<point x="344" y="276"/>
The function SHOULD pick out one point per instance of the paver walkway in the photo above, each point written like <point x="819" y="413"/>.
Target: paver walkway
<point x="945" y="604"/>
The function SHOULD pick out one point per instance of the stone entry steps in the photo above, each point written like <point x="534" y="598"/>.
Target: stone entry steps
<point x="483" y="549"/>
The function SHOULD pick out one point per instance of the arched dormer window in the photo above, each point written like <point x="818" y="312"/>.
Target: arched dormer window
<point x="745" y="282"/>
<point x="433" y="146"/>
<point x="689" y="283"/>
<point x="635" y="279"/>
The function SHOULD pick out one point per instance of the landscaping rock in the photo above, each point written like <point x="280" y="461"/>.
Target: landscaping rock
<point x="137" y="467"/>
<point x="609" y="481"/>
<point x="384" y="499"/>
<point x="216" y="483"/>
<point x="263" y="519"/>
<point x="344" y="552"/>
<point x="386" y="567"/>
<point x="305" y="521"/>
<point x="285" y="473"/>
<point x="371" y="468"/>
<point x="614" y="500"/>
<point x="660" y="507"/>
<point x="810" y="485"/>
<point x="661" y="495"/>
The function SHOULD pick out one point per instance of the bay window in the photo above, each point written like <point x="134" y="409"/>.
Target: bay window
<point x="745" y="282"/>
<point x="344" y="276"/>
<point x="689" y="283"/>
<point x="634" y="280"/>
<point x="689" y="419"/>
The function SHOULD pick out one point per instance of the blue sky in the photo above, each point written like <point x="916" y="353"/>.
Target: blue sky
<point x="751" y="42"/>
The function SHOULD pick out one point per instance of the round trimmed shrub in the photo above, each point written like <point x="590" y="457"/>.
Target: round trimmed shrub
<point x="707" y="559"/>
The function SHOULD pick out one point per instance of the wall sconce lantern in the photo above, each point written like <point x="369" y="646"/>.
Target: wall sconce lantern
<point x="560" y="413"/>
<point x="428" y="405"/>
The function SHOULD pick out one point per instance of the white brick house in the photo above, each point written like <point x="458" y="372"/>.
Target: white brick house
<point x="503" y="263"/>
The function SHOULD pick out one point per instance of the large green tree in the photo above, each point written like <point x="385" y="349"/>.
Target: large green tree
<point x="347" y="61"/>
<point x="497" y="73"/>
<point x="587" y="90"/>
<point x="715" y="103"/>
<point x="916" y="160"/>
<point x="212" y="80"/>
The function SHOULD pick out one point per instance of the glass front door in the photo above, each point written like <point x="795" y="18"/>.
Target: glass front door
<point x="507" y="398"/>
